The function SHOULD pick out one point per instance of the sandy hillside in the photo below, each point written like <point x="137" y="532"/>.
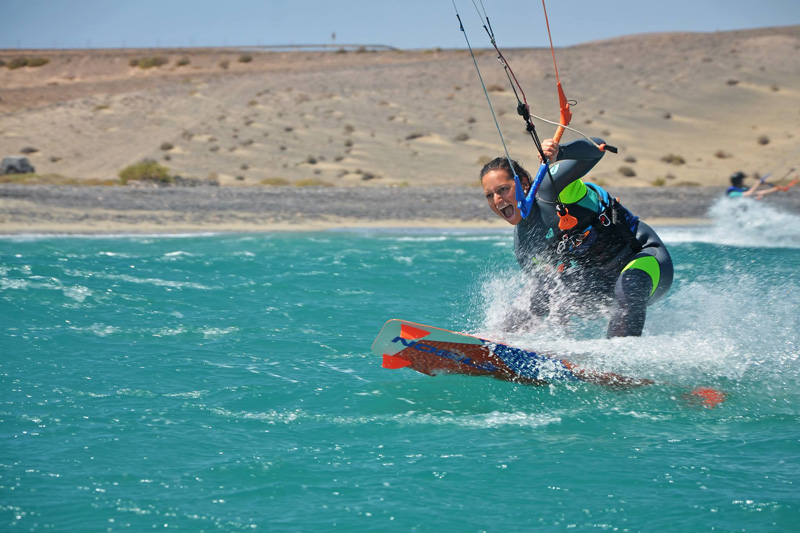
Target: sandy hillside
<point x="721" y="101"/>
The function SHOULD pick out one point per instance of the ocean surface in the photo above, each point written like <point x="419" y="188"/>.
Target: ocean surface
<point x="226" y="383"/>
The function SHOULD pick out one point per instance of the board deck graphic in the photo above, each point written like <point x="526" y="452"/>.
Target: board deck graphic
<point x="432" y="351"/>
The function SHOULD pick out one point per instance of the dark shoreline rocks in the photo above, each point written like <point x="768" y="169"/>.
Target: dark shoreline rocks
<point x="206" y="206"/>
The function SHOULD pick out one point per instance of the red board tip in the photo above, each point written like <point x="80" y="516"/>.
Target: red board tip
<point x="707" y="397"/>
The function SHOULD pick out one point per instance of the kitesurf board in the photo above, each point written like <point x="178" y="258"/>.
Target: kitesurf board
<point x="432" y="351"/>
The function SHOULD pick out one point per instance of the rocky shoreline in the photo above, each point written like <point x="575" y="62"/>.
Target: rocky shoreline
<point x="96" y="209"/>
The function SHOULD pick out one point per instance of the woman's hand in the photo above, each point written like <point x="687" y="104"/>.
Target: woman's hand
<point x="550" y="149"/>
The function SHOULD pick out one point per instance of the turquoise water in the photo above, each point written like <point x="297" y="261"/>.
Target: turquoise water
<point x="225" y="382"/>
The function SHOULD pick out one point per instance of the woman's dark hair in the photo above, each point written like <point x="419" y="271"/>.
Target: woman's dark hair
<point x="501" y="163"/>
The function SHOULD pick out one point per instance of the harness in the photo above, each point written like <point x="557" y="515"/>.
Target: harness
<point x="598" y="237"/>
<point x="736" y="191"/>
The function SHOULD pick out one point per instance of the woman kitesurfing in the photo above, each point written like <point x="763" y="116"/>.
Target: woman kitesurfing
<point x="607" y="256"/>
<point x="574" y="240"/>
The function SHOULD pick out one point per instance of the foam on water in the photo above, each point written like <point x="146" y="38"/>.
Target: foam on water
<point x="731" y="315"/>
<point x="743" y="222"/>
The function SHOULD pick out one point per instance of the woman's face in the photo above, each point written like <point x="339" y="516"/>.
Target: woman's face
<point x="499" y="189"/>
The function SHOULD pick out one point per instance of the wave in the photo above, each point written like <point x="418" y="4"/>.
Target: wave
<point x="741" y="222"/>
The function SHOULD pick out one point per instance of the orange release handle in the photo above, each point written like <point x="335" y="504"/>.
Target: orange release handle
<point x="566" y="114"/>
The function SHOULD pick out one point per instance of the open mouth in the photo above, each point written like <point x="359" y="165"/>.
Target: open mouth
<point x="507" y="211"/>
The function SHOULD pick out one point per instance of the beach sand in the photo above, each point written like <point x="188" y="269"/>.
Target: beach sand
<point x="391" y="138"/>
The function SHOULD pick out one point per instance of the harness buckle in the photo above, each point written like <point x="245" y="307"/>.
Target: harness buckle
<point x="578" y="239"/>
<point x="562" y="244"/>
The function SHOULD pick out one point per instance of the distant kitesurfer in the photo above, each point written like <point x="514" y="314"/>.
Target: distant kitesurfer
<point x="606" y="256"/>
<point x="738" y="189"/>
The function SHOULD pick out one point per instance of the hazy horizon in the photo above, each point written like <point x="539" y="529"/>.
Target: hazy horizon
<point x="98" y="24"/>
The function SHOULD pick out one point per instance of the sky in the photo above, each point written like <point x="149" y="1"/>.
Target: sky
<point x="407" y="24"/>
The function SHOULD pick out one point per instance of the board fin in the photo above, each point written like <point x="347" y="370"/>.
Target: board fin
<point x="394" y="362"/>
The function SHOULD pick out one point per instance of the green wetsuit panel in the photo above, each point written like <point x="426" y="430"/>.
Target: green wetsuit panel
<point x="650" y="266"/>
<point x="573" y="192"/>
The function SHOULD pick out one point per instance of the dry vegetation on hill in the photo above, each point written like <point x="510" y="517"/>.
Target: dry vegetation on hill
<point x="682" y="108"/>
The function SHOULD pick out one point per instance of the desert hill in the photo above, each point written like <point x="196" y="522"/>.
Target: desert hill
<point x="720" y="102"/>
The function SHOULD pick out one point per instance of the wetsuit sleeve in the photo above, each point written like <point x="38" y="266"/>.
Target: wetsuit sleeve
<point x="581" y="150"/>
<point x="574" y="161"/>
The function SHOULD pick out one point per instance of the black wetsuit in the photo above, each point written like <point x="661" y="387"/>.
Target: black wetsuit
<point x="608" y="256"/>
